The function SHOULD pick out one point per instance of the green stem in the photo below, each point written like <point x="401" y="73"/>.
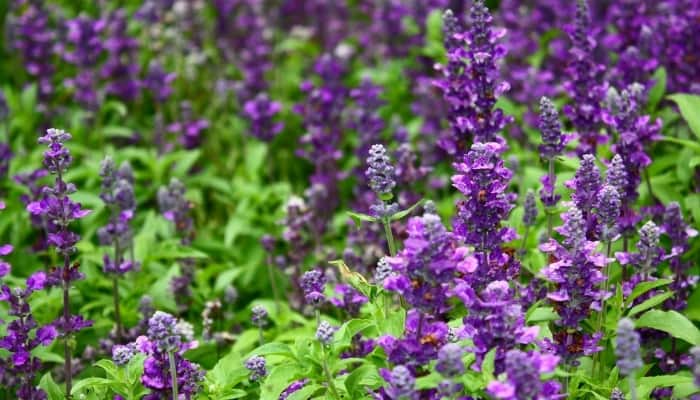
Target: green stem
<point x="273" y="284"/>
<point x="633" y="387"/>
<point x="550" y="213"/>
<point x="524" y="241"/>
<point x="389" y="236"/>
<point x="601" y="316"/>
<point x="261" y="338"/>
<point x="173" y="374"/>
<point x="329" y="377"/>
<point x="117" y="313"/>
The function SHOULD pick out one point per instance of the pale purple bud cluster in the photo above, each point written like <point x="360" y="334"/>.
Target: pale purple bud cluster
<point x="627" y="348"/>
<point x="257" y="367"/>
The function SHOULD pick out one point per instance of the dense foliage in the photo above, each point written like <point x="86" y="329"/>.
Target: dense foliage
<point x="360" y="199"/>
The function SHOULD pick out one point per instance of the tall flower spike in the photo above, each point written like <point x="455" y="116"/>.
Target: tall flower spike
<point x="586" y="185"/>
<point x="313" y="284"/>
<point x="257" y="367"/>
<point x="608" y="212"/>
<point x="325" y="333"/>
<point x="530" y="209"/>
<point x="401" y="384"/>
<point x="60" y="211"/>
<point x="380" y="172"/>
<point x="550" y="127"/>
<point x="483" y="180"/>
<point x="695" y="353"/>
<point x="617" y="175"/>
<point x="627" y="348"/>
<point x="523" y="380"/>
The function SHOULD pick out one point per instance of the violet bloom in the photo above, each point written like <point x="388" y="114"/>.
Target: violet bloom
<point x="470" y="84"/>
<point x="529" y="209"/>
<point x="293" y="387"/>
<point x="159" y="82"/>
<point x="608" y="213"/>
<point x="695" y="366"/>
<point x="121" y="69"/>
<point x="84" y="36"/>
<point x="380" y="175"/>
<point x="23" y="335"/>
<point x="586" y="184"/>
<point x="177" y="209"/>
<point x="627" y="349"/>
<point x="261" y="112"/>
<point x="188" y="128"/>
<point x="576" y="275"/>
<point x="523" y="382"/>
<point x="259" y="316"/>
<point x="553" y="142"/>
<point x="680" y="233"/>
<point x="321" y="110"/>
<point x="30" y="180"/>
<point x="117" y="193"/>
<point x="422" y="339"/>
<point x="167" y="340"/>
<point x="495" y="320"/>
<point x="256" y="366"/>
<point x="483" y="179"/>
<point x="313" y="284"/>
<point x="634" y="132"/>
<point x="325" y="333"/>
<point x="401" y="384"/>
<point x="429" y="262"/>
<point x="32" y="36"/>
<point x="59" y="211"/>
<point x="350" y="299"/>
<point x="584" y="86"/>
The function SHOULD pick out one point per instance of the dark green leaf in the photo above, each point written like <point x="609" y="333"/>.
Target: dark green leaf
<point x="689" y="106"/>
<point x="671" y="322"/>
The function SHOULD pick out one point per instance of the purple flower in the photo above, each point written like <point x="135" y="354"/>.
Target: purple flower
<point x="293" y="387"/>
<point x="159" y="82"/>
<point x="553" y="140"/>
<point x="483" y="179"/>
<point x="350" y="299"/>
<point x="122" y="355"/>
<point x="401" y="385"/>
<point x="177" y="209"/>
<point x="530" y="209"/>
<point x="259" y="316"/>
<point x="523" y="380"/>
<point x="162" y="332"/>
<point x="576" y="274"/>
<point x="325" y="333"/>
<point x="261" y="112"/>
<point x="586" y="185"/>
<point x="423" y="337"/>
<point x="495" y="320"/>
<point x="380" y="173"/>
<point x="627" y="350"/>
<point x="584" y="85"/>
<point x="84" y="34"/>
<point x="257" y="368"/>
<point x="188" y="128"/>
<point x="608" y="213"/>
<point x="695" y="353"/>
<point x="313" y="284"/>
<point x="23" y="335"/>
<point x="449" y="363"/>
<point x="425" y="268"/>
<point x="470" y="83"/>
<point x="680" y="233"/>
<point x="121" y="68"/>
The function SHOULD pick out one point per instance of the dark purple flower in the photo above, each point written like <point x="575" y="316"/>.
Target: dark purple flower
<point x="449" y="363"/>
<point x="585" y="87"/>
<point x="313" y="284"/>
<point x="325" y="333"/>
<point x="256" y="366"/>
<point x="627" y="349"/>
<point x="177" y="209"/>
<point x="553" y="140"/>
<point x="259" y="316"/>
<point x="380" y="173"/>
<point x="188" y="129"/>
<point x="523" y="380"/>
<point x="350" y="299"/>
<point x="530" y="209"/>
<point x="483" y="179"/>
<point x="121" y="69"/>
<point x="586" y="184"/>
<point x="608" y="213"/>
<point x="495" y="320"/>
<point x="261" y="112"/>
<point x="84" y="36"/>
<point x="159" y="82"/>
<point x="401" y="384"/>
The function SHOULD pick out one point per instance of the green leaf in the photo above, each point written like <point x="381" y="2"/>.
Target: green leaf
<point x="405" y="212"/>
<point x="488" y="365"/>
<point x="52" y="389"/>
<point x="273" y="348"/>
<point x="90" y="383"/>
<point x="671" y="322"/>
<point x="649" y="383"/>
<point x="366" y="375"/>
<point x="645" y="287"/>
<point x="541" y="314"/>
<point x="305" y="392"/>
<point x="656" y="93"/>
<point x="109" y="367"/>
<point x="689" y="106"/>
<point x="650" y="303"/>
<point x="280" y="377"/>
<point x="114" y="131"/>
<point x="357" y="217"/>
<point x="687" y="143"/>
<point x="429" y="381"/>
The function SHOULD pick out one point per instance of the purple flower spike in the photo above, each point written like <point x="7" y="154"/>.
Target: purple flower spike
<point x="325" y="333"/>
<point x="553" y="140"/>
<point x="608" y="212"/>
<point x="261" y="112"/>
<point x="401" y="384"/>
<point x="627" y="348"/>
<point x="530" y="212"/>
<point x="313" y="284"/>
<point x="523" y="377"/>
<point x="257" y="367"/>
